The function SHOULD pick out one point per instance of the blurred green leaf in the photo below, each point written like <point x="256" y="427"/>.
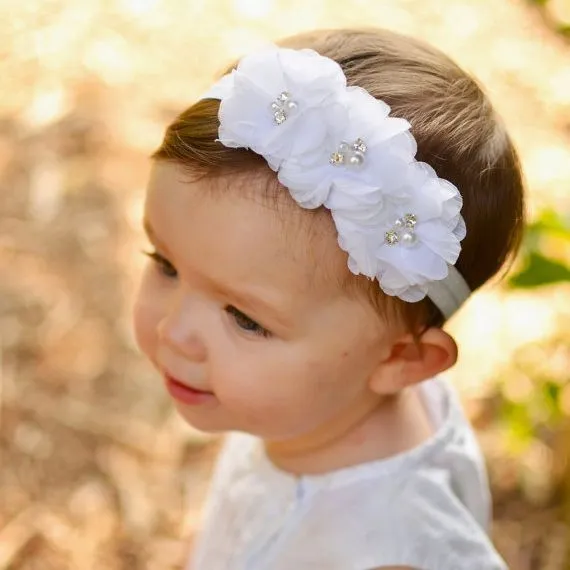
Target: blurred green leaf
<point x="551" y="394"/>
<point x="540" y="270"/>
<point x="549" y="222"/>
<point x="520" y="428"/>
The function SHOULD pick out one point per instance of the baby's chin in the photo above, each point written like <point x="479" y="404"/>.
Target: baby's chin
<point x="213" y="419"/>
<point x="203" y="418"/>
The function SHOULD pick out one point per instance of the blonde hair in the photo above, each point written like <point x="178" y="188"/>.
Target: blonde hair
<point x="456" y="128"/>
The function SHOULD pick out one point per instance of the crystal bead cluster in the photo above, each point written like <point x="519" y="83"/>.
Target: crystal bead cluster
<point x="402" y="231"/>
<point x="351" y="155"/>
<point x="282" y="106"/>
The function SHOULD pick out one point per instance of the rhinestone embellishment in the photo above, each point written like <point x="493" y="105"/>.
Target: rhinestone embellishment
<point x="392" y="237"/>
<point x="410" y="221"/>
<point x="350" y="155"/>
<point x="337" y="158"/>
<point x="282" y="107"/>
<point x="402" y="231"/>
<point x="360" y="146"/>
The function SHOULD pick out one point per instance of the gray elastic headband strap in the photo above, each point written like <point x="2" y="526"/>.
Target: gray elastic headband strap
<point x="449" y="293"/>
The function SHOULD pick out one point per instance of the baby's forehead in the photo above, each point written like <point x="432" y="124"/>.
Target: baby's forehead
<point x="250" y="223"/>
<point x="308" y="237"/>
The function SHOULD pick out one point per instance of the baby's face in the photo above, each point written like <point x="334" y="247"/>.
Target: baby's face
<point x="238" y="304"/>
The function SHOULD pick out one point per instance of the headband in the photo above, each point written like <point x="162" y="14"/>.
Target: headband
<point x="336" y="146"/>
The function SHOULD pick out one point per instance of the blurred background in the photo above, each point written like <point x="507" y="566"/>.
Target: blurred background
<point x="96" y="471"/>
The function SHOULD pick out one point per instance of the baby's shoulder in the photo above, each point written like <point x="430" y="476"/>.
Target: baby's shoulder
<point x="425" y="500"/>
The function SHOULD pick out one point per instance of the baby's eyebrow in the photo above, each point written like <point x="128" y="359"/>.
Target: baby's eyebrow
<point x="148" y="228"/>
<point x="151" y="234"/>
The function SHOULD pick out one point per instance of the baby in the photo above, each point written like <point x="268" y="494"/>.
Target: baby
<point x="315" y="219"/>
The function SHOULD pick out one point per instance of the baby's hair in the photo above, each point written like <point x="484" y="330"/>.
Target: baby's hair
<point x="458" y="133"/>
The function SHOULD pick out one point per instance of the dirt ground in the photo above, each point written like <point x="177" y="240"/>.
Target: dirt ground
<point x="96" y="470"/>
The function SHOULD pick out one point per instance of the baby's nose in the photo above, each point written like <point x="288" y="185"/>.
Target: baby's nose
<point x="180" y="330"/>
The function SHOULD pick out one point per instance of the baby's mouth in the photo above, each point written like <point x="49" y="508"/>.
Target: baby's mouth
<point x="187" y="394"/>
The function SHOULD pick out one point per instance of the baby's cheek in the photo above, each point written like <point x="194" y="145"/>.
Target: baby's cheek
<point x="325" y="370"/>
<point x="336" y="380"/>
<point x="249" y="396"/>
<point x="141" y="329"/>
<point x="264" y="404"/>
<point x="145" y="322"/>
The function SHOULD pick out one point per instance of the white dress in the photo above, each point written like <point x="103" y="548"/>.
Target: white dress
<point x="427" y="508"/>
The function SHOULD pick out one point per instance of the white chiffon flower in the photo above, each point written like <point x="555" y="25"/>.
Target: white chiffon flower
<point x="406" y="270"/>
<point x="310" y="176"/>
<point x="276" y="94"/>
<point x="364" y="216"/>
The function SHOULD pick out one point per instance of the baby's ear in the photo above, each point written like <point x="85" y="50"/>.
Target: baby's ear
<point x="412" y="360"/>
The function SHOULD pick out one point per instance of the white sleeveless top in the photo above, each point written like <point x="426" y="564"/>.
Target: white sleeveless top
<point x="427" y="508"/>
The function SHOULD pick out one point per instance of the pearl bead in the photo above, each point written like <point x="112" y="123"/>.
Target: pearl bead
<point x="356" y="160"/>
<point x="408" y="239"/>
<point x="399" y="224"/>
<point x="292" y="105"/>
<point x="343" y="147"/>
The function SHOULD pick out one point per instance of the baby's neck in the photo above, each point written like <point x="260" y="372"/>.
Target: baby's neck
<point x="378" y="431"/>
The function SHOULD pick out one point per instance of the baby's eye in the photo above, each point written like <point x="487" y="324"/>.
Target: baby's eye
<point x="245" y="323"/>
<point x="164" y="266"/>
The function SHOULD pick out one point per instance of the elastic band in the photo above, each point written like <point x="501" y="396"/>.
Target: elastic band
<point x="449" y="293"/>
